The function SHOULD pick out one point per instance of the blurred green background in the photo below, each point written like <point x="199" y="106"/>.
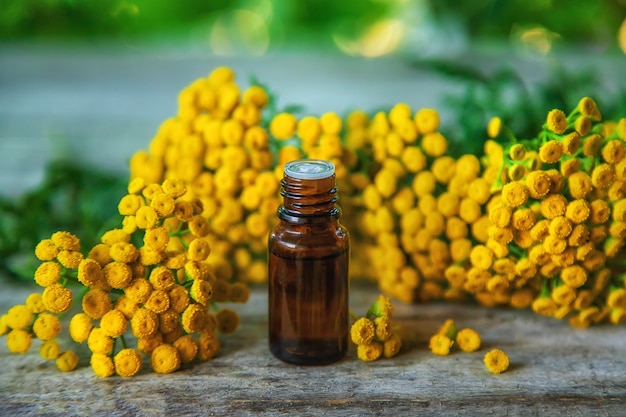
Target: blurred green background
<point x="356" y="27"/>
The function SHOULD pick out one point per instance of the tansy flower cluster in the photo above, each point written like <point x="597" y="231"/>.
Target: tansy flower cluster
<point x="148" y="281"/>
<point x="218" y="145"/>
<point x="468" y="340"/>
<point x="557" y="222"/>
<point x="423" y="209"/>
<point x="374" y="334"/>
<point x="229" y="146"/>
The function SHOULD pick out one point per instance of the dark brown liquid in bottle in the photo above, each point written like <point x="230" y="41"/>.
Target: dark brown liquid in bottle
<point x="308" y="276"/>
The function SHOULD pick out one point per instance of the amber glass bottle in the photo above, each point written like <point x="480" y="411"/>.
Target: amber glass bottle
<point x="308" y="269"/>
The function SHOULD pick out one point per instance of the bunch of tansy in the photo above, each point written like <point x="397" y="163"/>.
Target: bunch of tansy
<point x="530" y="223"/>
<point x="423" y="210"/>
<point x="374" y="334"/>
<point x="219" y="146"/>
<point x="148" y="282"/>
<point x="556" y="221"/>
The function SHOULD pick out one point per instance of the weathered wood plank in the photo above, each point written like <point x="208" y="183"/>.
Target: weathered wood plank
<point x="553" y="367"/>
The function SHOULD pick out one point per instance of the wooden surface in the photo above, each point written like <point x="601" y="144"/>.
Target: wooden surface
<point x="554" y="369"/>
<point x="104" y="102"/>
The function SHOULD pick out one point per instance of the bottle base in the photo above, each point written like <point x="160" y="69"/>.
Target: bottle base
<point x="308" y="353"/>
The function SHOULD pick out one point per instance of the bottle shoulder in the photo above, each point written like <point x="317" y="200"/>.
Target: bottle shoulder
<point x="331" y="238"/>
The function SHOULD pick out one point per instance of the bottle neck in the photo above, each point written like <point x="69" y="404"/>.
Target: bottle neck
<point x="309" y="201"/>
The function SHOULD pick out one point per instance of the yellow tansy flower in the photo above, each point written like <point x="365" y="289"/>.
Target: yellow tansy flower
<point x="194" y="318"/>
<point x="129" y="204"/>
<point x="149" y="256"/>
<point x="118" y="274"/>
<point x="198" y="226"/>
<point x="34" y="302"/>
<point x="600" y="212"/>
<point x="575" y="276"/>
<point x="592" y="145"/>
<point x="427" y="120"/>
<point x="46" y="326"/>
<point x="136" y="185"/>
<point x="369" y="352"/>
<point x="19" y="316"/>
<point x="144" y="323"/>
<point x="523" y="219"/>
<point x="496" y="361"/>
<point x="550" y="152"/>
<point x="100" y="254"/>
<point x="208" y="346"/>
<point x="80" y="327"/>
<point x="179" y="298"/>
<point x="123" y="252"/>
<point x="227" y="321"/>
<point x="613" y="151"/>
<point x="46" y="250"/>
<point x="48" y="273"/>
<point x="69" y="259"/>
<point x="158" y="301"/>
<point x="18" y="341"/>
<point x="65" y="241"/>
<point x="468" y="340"/>
<point x="440" y="344"/>
<point x="114" y="323"/>
<point x="146" y="217"/>
<point x="163" y="204"/>
<point x="198" y="250"/>
<point x="579" y="184"/>
<point x="587" y="107"/>
<point x="165" y="359"/>
<point x="201" y="291"/>
<point x="102" y="365"/>
<point x="331" y="123"/>
<point x="560" y="227"/>
<point x="187" y="348"/>
<point x="49" y="349"/>
<point x="57" y="298"/>
<point x="90" y="273"/>
<point x="556" y="121"/>
<point x="385" y="182"/>
<point x="362" y="331"/>
<point x="96" y="302"/>
<point x="161" y="278"/>
<point x="602" y="175"/>
<point x="283" y="126"/>
<point x="174" y="187"/>
<point x="256" y="95"/>
<point x="582" y="125"/>
<point x="99" y="342"/>
<point x="67" y="361"/>
<point x="538" y="184"/>
<point x="570" y="144"/>
<point x="392" y="346"/>
<point x="515" y="194"/>
<point x="156" y="238"/>
<point x="481" y="257"/>
<point x="382" y="307"/>
<point x="127" y="362"/>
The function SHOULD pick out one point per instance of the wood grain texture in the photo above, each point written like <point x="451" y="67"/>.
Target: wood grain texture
<point x="553" y="368"/>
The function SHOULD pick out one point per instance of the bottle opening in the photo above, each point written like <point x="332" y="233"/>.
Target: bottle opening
<point x="309" y="169"/>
